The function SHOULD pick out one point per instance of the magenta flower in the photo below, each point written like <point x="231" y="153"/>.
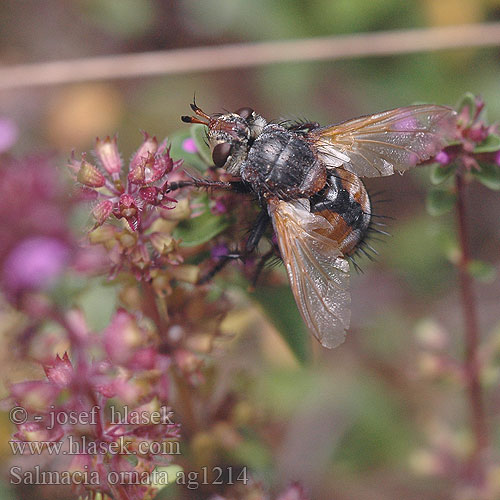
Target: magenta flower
<point x="131" y="192"/>
<point x="60" y="372"/>
<point x="9" y="133"/>
<point x="472" y="132"/>
<point x="123" y="363"/>
<point x="189" y="145"/>
<point x="35" y="263"/>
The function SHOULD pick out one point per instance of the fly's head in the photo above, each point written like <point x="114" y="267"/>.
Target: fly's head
<point x="230" y="135"/>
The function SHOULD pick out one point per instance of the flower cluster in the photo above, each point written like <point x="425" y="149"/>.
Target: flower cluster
<point x="474" y="154"/>
<point x="126" y="193"/>
<point x="36" y="249"/>
<point x="476" y="141"/>
<point x="136" y="194"/>
<point x="75" y="400"/>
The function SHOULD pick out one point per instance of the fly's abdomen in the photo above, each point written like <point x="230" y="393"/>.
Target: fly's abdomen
<point x="345" y="203"/>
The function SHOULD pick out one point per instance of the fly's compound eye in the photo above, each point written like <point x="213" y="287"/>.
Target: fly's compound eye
<point x="221" y="153"/>
<point x="245" y="113"/>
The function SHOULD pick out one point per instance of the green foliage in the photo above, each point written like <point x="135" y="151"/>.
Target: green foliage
<point x="379" y="435"/>
<point x="177" y="151"/>
<point x="440" y="201"/>
<point x="280" y="307"/>
<point x="440" y="173"/>
<point x="489" y="145"/>
<point x="199" y="230"/>
<point x="199" y="135"/>
<point x="467" y="101"/>
<point x="130" y="18"/>
<point x="418" y="250"/>
<point x="489" y="175"/>
<point x="98" y="303"/>
<point x="482" y="271"/>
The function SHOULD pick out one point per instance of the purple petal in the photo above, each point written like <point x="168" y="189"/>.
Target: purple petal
<point x="189" y="145"/>
<point x="9" y="133"/>
<point x="35" y="263"/>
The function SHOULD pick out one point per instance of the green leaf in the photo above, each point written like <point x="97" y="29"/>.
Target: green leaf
<point x="6" y="493"/>
<point x="489" y="145"/>
<point x="439" y="173"/>
<point x="489" y="175"/>
<point x="440" y="201"/>
<point x="280" y="307"/>
<point x="467" y="101"/>
<point x="128" y="18"/>
<point x="482" y="271"/>
<point x="201" y="229"/>
<point x="177" y="151"/>
<point x="199" y="135"/>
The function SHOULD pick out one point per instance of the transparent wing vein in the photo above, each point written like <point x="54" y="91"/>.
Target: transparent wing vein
<point x="381" y="144"/>
<point x="318" y="273"/>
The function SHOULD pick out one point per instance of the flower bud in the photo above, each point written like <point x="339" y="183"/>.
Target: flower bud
<point x="181" y="211"/>
<point x="76" y="321"/>
<point x="129" y="210"/>
<point x="186" y="273"/>
<point x="140" y="256"/>
<point x="60" y="373"/>
<point x="189" y="145"/>
<point x="39" y="431"/>
<point x="163" y="243"/>
<point x="443" y="158"/>
<point x="34" y="395"/>
<point x="102" y="211"/>
<point x="89" y="175"/>
<point x="108" y="154"/>
<point x="122" y="337"/>
<point x="102" y="235"/>
<point x="147" y="148"/>
<point x="143" y="359"/>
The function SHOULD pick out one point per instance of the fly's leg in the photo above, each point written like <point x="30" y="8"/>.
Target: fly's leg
<point x="236" y="186"/>
<point x="260" y="267"/>
<point x="250" y="245"/>
<point x="303" y="126"/>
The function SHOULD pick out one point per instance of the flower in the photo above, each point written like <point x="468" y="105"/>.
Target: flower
<point x="189" y="145"/>
<point x="37" y="244"/>
<point x="9" y="133"/>
<point x="34" y="263"/>
<point x="109" y="400"/>
<point x="129" y="193"/>
<point x="471" y="133"/>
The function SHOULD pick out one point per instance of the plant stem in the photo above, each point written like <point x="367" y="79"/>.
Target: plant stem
<point x="475" y="467"/>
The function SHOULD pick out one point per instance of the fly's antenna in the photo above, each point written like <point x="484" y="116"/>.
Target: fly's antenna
<point x="197" y="111"/>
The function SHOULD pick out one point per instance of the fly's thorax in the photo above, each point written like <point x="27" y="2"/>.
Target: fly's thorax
<point x="345" y="203"/>
<point x="281" y="162"/>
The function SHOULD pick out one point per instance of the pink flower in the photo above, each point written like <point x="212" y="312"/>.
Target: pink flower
<point x="145" y="185"/>
<point x="60" y="373"/>
<point x="123" y="337"/>
<point x="9" y="133"/>
<point x="443" y="157"/>
<point x="35" y="263"/>
<point x="109" y="156"/>
<point x="189" y="145"/>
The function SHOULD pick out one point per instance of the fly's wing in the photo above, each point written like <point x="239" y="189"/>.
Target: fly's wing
<point x="379" y="145"/>
<point x="318" y="272"/>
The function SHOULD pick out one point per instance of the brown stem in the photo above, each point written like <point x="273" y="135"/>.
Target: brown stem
<point x="475" y="467"/>
<point x="197" y="59"/>
<point x="151" y="309"/>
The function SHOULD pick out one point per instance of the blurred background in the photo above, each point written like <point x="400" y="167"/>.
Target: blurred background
<point x="363" y="421"/>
